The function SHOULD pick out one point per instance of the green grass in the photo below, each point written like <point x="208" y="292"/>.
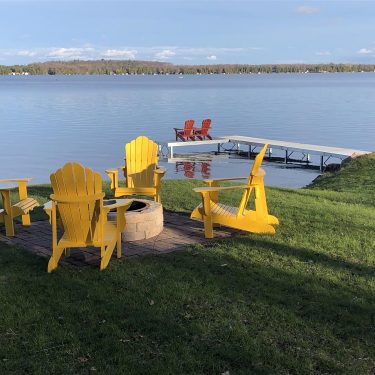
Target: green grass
<point x="299" y="302"/>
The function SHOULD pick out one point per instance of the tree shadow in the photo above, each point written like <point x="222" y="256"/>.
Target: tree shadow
<point x="226" y="310"/>
<point x="307" y="255"/>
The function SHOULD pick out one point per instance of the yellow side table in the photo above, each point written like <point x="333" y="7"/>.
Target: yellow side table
<point x="21" y="208"/>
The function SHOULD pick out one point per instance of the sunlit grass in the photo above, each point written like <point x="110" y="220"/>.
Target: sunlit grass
<point x="299" y="302"/>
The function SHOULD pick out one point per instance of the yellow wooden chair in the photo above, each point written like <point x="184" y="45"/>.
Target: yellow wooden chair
<point x="142" y="175"/>
<point x="213" y="213"/>
<point x="21" y="208"/>
<point x="78" y="199"/>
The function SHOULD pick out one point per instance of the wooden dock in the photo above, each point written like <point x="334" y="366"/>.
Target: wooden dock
<point x="172" y="145"/>
<point x="325" y="152"/>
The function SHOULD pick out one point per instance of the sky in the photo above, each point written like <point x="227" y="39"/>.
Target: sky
<point x="188" y="31"/>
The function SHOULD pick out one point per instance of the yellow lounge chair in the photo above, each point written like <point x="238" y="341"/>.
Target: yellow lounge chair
<point x="142" y="175"/>
<point x="78" y="199"/>
<point x="21" y="208"/>
<point x="212" y="212"/>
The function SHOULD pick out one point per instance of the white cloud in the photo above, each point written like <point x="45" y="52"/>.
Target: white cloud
<point x="26" y="53"/>
<point x="365" y="51"/>
<point x="306" y="9"/>
<point x="120" y="53"/>
<point x="323" y="53"/>
<point x="213" y="51"/>
<point x="70" y="53"/>
<point x="165" y="54"/>
<point x="161" y="53"/>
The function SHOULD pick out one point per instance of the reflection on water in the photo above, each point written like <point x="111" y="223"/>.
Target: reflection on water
<point x="194" y="169"/>
<point x="277" y="174"/>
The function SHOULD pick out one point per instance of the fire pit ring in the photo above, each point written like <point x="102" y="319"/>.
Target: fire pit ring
<point x="144" y="219"/>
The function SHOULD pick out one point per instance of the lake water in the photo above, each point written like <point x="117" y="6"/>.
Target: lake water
<point x="46" y="121"/>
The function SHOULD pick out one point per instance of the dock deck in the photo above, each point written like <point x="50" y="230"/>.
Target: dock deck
<point x="253" y="142"/>
<point x="284" y="145"/>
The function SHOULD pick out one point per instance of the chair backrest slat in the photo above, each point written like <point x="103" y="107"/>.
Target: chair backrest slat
<point x="188" y="127"/>
<point x="254" y="171"/>
<point x="80" y="218"/>
<point x="141" y="161"/>
<point x="206" y="124"/>
<point x="257" y="163"/>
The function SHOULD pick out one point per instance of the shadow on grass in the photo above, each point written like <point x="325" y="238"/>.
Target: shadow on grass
<point x="307" y="255"/>
<point x="210" y="311"/>
<point x="336" y="196"/>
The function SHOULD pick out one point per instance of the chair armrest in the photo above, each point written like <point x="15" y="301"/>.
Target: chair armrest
<point x="22" y="185"/>
<point x="47" y="207"/>
<point x="158" y="175"/>
<point x="178" y="129"/>
<point x="210" y="181"/>
<point x="113" y="175"/>
<point x="17" y="180"/>
<point x="222" y="188"/>
<point x="121" y="206"/>
<point x="261" y="173"/>
<point x="114" y="169"/>
<point x="119" y="203"/>
<point x="160" y="170"/>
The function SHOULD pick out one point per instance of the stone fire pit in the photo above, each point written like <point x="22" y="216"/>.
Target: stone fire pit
<point x="144" y="219"/>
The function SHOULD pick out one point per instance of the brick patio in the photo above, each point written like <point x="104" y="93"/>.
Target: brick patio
<point x="179" y="232"/>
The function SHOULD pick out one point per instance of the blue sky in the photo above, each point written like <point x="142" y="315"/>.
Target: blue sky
<point x="188" y="32"/>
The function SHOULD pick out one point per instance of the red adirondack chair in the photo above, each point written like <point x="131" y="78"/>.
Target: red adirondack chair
<point x="187" y="132"/>
<point x="189" y="169"/>
<point x="202" y="133"/>
<point x="205" y="170"/>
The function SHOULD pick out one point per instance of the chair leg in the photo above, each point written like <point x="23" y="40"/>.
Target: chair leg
<point x="26" y="220"/>
<point x="54" y="260"/>
<point x="180" y="137"/>
<point x="8" y="217"/>
<point x="261" y="204"/>
<point x="9" y="225"/>
<point x="207" y="216"/>
<point x="106" y="252"/>
<point x="157" y="198"/>
<point x="118" y="245"/>
<point x="273" y="220"/>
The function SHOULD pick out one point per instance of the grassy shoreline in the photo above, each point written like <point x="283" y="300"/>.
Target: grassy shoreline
<point x="299" y="302"/>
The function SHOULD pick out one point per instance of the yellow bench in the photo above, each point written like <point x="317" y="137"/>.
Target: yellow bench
<point x="21" y="208"/>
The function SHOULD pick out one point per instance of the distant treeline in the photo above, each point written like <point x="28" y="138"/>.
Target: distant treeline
<point x="149" y="67"/>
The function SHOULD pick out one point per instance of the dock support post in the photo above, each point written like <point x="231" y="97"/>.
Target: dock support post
<point x="321" y="163"/>
<point x="286" y="156"/>
<point x="249" y="152"/>
<point x="270" y="153"/>
<point x="171" y="152"/>
<point x="218" y="148"/>
<point x="238" y="148"/>
<point x="308" y="159"/>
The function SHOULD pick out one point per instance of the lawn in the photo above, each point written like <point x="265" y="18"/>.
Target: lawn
<point x="299" y="302"/>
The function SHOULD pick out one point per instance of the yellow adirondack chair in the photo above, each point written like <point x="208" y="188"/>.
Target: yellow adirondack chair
<point x="78" y="199"/>
<point x="21" y="208"/>
<point x="212" y="212"/>
<point x="142" y="175"/>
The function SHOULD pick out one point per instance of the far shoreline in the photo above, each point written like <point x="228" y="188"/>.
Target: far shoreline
<point x="132" y="67"/>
